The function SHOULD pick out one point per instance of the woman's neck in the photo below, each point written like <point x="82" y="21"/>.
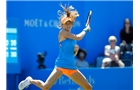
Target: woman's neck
<point x="66" y="30"/>
<point x="127" y="30"/>
<point x="112" y="47"/>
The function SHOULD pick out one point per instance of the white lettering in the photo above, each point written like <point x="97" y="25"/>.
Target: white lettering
<point x="50" y="23"/>
<point x="45" y="24"/>
<point x="40" y="21"/>
<point x="66" y="81"/>
<point x="91" y="80"/>
<point x="13" y="42"/>
<point x="13" y="48"/>
<point x="36" y="24"/>
<point x="26" y="23"/>
<point x="32" y="23"/>
<point x="56" y="23"/>
<point x="13" y="54"/>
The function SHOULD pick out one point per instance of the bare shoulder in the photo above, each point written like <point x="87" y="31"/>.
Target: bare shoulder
<point x="60" y="36"/>
<point x="66" y="34"/>
<point x="69" y="35"/>
<point x="62" y="32"/>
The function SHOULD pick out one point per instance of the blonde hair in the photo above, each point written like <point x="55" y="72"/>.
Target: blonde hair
<point x="69" y="14"/>
<point x="112" y="38"/>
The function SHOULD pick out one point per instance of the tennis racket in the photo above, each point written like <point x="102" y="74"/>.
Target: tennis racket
<point x="88" y="18"/>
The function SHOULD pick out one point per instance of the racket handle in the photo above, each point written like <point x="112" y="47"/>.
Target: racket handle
<point x="86" y="29"/>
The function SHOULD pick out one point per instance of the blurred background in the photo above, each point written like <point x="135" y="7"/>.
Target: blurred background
<point x="32" y="43"/>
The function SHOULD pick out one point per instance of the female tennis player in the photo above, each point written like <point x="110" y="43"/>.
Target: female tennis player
<point x="65" y="61"/>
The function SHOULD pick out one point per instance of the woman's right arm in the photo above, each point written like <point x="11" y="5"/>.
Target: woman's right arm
<point x="75" y="37"/>
<point x="106" y="51"/>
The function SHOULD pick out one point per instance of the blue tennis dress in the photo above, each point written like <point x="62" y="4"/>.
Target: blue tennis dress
<point x="66" y="58"/>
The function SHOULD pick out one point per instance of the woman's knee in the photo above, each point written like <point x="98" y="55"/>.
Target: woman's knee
<point x="106" y="60"/>
<point x="46" y="87"/>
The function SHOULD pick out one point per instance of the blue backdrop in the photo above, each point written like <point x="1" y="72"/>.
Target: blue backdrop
<point x="100" y="79"/>
<point x="37" y="30"/>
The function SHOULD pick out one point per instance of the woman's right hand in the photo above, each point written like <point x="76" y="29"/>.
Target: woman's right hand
<point x="88" y="28"/>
